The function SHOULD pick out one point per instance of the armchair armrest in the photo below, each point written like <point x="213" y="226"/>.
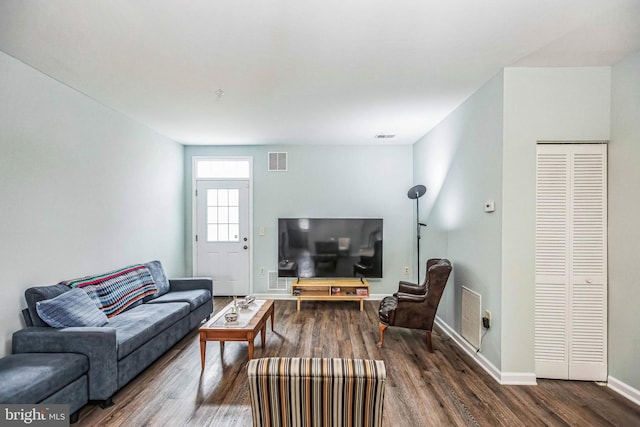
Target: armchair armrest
<point x="410" y="288"/>
<point x="404" y="297"/>
<point x="97" y="343"/>
<point x="191" y="283"/>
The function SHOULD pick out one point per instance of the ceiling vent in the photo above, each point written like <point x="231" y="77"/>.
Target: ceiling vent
<point x="277" y="162"/>
<point x="385" y="136"/>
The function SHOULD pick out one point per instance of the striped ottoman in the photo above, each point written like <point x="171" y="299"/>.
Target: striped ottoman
<point x="316" y="392"/>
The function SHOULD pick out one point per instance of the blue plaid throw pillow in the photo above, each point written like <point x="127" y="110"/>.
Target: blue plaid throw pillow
<point x="73" y="308"/>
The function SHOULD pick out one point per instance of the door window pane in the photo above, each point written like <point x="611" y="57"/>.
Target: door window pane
<point x="212" y="232"/>
<point x="223" y="197"/>
<point x="223" y="214"/>
<point x="223" y="232"/>
<point x="234" y="215"/>
<point x="212" y="215"/>
<point x="212" y="197"/>
<point x="234" y="232"/>
<point x="234" y="196"/>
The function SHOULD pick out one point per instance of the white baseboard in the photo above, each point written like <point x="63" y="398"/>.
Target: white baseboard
<point x="504" y="378"/>
<point x="624" y="389"/>
<point x="282" y="296"/>
<point x="518" y="378"/>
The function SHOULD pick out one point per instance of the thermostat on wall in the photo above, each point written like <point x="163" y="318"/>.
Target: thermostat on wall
<point x="489" y="206"/>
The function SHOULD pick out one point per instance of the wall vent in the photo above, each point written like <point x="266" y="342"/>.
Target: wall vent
<point x="277" y="283"/>
<point x="277" y="162"/>
<point x="471" y="322"/>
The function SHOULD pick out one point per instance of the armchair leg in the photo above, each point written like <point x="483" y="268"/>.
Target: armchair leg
<point x="382" y="328"/>
<point x="429" y="346"/>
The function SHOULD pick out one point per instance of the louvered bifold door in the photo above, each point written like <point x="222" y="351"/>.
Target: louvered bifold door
<point x="570" y="298"/>
<point x="588" y="274"/>
<point x="552" y="262"/>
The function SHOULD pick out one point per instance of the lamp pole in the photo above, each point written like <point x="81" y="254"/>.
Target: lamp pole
<point x="415" y="193"/>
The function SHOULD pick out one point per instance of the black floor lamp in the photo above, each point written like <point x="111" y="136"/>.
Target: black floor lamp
<point x="416" y="192"/>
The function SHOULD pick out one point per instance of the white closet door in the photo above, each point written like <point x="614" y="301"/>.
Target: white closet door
<point x="588" y="297"/>
<point x="552" y="263"/>
<point x="571" y="300"/>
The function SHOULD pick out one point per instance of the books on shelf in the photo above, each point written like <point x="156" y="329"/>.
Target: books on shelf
<point x="335" y="291"/>
<point x="361" y="292"/>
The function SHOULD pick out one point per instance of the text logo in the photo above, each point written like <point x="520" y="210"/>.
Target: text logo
<point x="34" y="415"/>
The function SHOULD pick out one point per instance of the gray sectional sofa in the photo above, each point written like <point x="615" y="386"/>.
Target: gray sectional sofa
<point x="130" y="341"/>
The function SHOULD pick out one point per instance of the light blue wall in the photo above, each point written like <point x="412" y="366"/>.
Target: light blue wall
<point x="83" y="189"/>
<point x="624" y="232"/>
<point x="460" y="162"/>
<point x="553" y="104"/>
<point x="324" y="181"/>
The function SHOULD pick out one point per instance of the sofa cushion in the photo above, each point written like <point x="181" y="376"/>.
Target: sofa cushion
<point x="41" y="293"/>
<point x="73" y="308"/>
<point x="156" y="270"/>
<point x="32" y="377"/>
<point x="139" y="325"/>
<point x="117" y="290"/>
<point x="195" y="298"/>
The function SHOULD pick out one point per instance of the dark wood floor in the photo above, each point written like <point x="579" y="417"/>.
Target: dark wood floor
<point x="441" y="389"/>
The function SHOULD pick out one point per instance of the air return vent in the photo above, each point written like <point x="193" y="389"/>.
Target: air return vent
<point x="276" y="283"/>
<point x="471" y="323"/>
<point x="277" y="162"/>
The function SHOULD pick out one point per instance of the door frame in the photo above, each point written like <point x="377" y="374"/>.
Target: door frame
<point x="194" y="209"/>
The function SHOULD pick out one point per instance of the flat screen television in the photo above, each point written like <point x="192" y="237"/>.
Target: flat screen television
<point x="330" y="247"/>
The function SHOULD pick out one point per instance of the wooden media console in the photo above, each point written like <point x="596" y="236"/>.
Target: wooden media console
<point x="330" y="290"/>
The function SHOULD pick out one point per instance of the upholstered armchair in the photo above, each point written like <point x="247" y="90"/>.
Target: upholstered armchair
<point x="414" y="306"/>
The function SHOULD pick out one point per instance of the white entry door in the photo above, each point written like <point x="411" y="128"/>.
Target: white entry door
<point x="222" y="211"/>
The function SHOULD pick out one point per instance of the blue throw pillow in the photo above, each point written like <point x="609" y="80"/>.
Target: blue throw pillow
<point x="73" y="308"/>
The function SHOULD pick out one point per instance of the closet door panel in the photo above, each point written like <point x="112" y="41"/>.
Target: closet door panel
<point x="588" y="296"/>
<point x="552" y="263"/>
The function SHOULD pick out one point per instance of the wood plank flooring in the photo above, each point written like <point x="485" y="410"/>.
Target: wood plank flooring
<point x="445" y="388"/>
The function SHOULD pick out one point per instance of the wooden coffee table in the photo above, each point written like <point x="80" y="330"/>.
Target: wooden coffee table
<point x="250" y="321"/>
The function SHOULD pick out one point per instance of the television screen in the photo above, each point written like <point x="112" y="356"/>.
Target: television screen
<point x="329" y="247"/>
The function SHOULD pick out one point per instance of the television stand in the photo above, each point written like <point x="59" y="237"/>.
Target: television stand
<point x="330" y="290"/>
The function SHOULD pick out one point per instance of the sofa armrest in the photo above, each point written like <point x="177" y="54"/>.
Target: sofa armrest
<point x="191" y="283"/>
<point x="97" y="343"/>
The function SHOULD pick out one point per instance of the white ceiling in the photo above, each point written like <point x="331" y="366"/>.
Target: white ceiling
<point x="304" y="71"/>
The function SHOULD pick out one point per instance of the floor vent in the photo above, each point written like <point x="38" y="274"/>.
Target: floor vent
<point x="277" y="162"/>
<point x="471" y="321"/>
<point x="277" y="283"/>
